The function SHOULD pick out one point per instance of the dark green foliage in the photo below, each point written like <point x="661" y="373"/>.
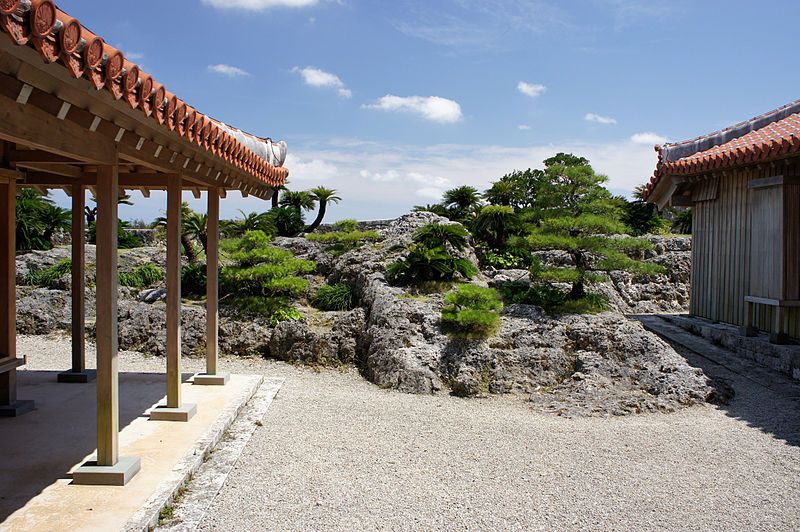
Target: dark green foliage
<point x="495" y="224"/>
<point x="461" y="201"/>
<point x="643" y="218"/>
<point x="37" y="219"/>
<point x="426" y="264"/>
<point x="551" y="299"/>
<point x="194" y="279"/>
<point x="511" y="257"/>
<point x="284" y="221"/>
<point x="682" y="223"/>
<point x="334" y="297"/>
<point x="323" y="196"/>
<point x="519" y="189"/>
<point x="472" y="312"/>
<point x="48" y="277"/>
<point x="435" y="235"/>
<point x="248" y="222"/>
<point x="436" y="208"/>
<point x="125" y="240"/>
<point x="142" y="276"/>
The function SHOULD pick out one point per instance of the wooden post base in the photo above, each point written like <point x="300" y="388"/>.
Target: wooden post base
<point x="218" y="379"/>
<point x="185" y="412"/>
<point x="77" y="377"/>
<point x="780" y="339"/>
<point x="17" y="408"/>
<point x="91" y="474"/>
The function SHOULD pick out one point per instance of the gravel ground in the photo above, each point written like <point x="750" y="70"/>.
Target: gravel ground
<point x="336" y="452"/>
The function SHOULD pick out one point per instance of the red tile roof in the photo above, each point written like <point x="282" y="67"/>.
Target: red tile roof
<point x="60" y="38"/>
<point x="774" y="135"/>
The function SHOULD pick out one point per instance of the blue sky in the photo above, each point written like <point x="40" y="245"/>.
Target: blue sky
<point x="393" y="102"/>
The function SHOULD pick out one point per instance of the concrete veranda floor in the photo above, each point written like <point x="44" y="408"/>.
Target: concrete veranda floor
<point x="39" y="450"/>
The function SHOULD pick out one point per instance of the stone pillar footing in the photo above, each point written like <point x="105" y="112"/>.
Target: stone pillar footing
<point x="17" y="408"/>
<point x="77" y="377"/>
<point x="749" y="332"/>
<point x="218" y="379"/>
<point x="91" y="474"/>
<point x="185" y="412"/>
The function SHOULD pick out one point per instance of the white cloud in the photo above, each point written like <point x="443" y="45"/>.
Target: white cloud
<point x="258" y="5"/>
<point x="310" y="169"/>
<point x="524" y="127"/>
<point x="228" y="70"/>
<point x="379" y="177"/>
<point x="600" y="119"/>
<point x="531" y="89"/>
<point x="430" y="193"/>
<point x="649" y="138"/>
<point x="315" y="77"/>
<point x="433" y="108"/>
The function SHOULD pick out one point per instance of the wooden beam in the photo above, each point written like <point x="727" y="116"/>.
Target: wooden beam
<point x="212" y="283"/>
<point x="173" y="280"/>
<point x="31" y="126"/>
<point x="196" y="192"/>
<point x="78" y="279"/>
<point x="8" y="292"/>
<point x="66" y="170"/>
<point x="107" y="346"/>
<point x="37" y="156"/>
<point x="145" y="192"/>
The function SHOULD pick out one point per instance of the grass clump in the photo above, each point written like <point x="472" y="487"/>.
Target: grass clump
<point x="346" y="238"/>
<point x="472" y="312"/>
<point x="142" y="276"/>
<point x="48" y="277"/>
<point x="334" y="297"/>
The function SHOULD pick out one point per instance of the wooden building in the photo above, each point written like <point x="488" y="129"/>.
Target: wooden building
<point x="743" y="184"/>
<point x="76" y="114"/>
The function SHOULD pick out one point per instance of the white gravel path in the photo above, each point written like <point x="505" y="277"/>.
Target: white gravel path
<point x="336" y="452"/>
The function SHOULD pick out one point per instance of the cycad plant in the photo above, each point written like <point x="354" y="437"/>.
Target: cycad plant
<point x="429" y="258"/>
<point x="495" y="224"/>
<point x="322" y="196"/>
<point x="436" y="235"/>
<point x="461" y="200"/>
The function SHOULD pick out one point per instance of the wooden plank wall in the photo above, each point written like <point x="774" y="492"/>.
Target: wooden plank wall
<point x="721" y="250"/>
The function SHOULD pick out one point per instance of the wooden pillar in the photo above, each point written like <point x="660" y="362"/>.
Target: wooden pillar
<point x="174" y="291"/>
<point x="110" y="468"/>
<point x="212" y="376"/>
<point x="78" y="372"/>
<point x="212" y="285"/>
<point x="174" y="410"/>
<point x="107" y="341"/>
<point x="10" y="406"/>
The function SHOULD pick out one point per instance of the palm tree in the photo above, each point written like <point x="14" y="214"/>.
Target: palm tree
<point x="54" y="219"/>
<point x="462" y="199"/>
<point x="91" y="212"/>
<point x="495" y="223"/>
<point x="276" y="195"/>
<point x="502" y="192"/>
<point x="196" y="226"/>
<point x="298" y="200"/>
<point x="323" y="196"/>
<point x="248" y="222"/>
<point x="186" y="240"/>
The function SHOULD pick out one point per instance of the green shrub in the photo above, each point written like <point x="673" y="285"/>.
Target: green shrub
<point x="346" y="226"/>
<point x="142" y="276"/>
<point x="338" y="243"/>
<point x="435" y="235"/>
<point x="274" y="309"/>
<point x="48" y="277"/>
<point x="334" y="297"/>
<point x="551" y="299"/>
<point x="125" y="240"/>
<point x="471" y="312"/>
<point x="194" y="279"/>
<point x="425" y="264"/>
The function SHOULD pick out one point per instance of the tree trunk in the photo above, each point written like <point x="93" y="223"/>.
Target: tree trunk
<point x="275" y="198"/>
<point x="323" y="205"/>
<point x="204" y="242"/>
<point x="578" y="289"/>
<point x="188" y="249"/>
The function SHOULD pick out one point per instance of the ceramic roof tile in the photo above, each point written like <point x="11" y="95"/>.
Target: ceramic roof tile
<point x="771" y="136"/>
<point x="60" y="38"/>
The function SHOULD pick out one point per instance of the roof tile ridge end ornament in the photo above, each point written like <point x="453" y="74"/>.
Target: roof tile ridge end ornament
<point x="686" y="148"/>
